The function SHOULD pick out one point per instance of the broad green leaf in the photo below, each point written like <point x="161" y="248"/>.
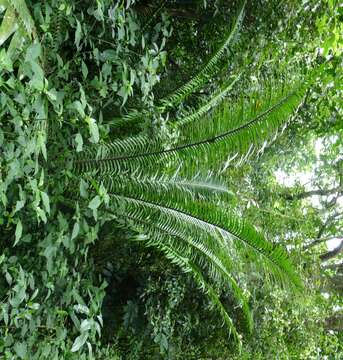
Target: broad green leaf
<point x="78" y="106"/>
<point x="5" y="61"/>
<point x="79" y="342"/>
<point x="9" y="25"/>
<point x="78" y="34"/>
<point x="37" y="80"/>
<point x="81" y="309"/>
<point x="41" y="214"/>
<point x="93" y="129"/>
<point x="19" y="297"/>
<point x="46" y="201"/>
<point x="83" y="189"/>
<point x="18" y="232"/>
<point x="21" y="350"/>
<point x="79" y="142"/>
<point x="94" y="203"/>
<point x="85" y="325"/>
<point x="16" y="23"/>
<point x="33" y="52"/>
<point x="19" y="205"/>
<point x="75" y="231"/>
<point x="84" y="70"/>
<point x="41" y="143"/>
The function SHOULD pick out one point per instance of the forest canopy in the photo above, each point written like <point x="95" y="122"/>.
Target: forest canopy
<point x="171" y="179"/>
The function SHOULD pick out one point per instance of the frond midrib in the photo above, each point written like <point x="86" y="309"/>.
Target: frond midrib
<point x="215" y="260"/>
<point x="206" y="223"/>
<point x="198" y="143"/>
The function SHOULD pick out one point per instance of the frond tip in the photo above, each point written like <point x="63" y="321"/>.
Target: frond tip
<point x="189" y="267"/>
<point x="211" y="67"/>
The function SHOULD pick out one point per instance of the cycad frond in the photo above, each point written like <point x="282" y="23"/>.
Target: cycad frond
<point x="207" y="72"/>
<point x="133" y="116"/>
<point x="205" y="220"/>
<point x="214" y="257"/>
<point x="164" y="185"/>
<point x="121" y="147"/>
<point x="189" y="267"/>
<point x="176" y="213"/>
<point x="240" y="128"/>
<point x="196" y="82"/>
<point x="216" y="99"/>
<point x="17" y="22"/>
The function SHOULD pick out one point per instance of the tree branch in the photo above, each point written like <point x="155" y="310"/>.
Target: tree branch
<point x="333" y="253"/>
<point x="320" y="192"/>
<point x="318" y="241"/>
<point x="322" y="230"/>
<point x="338" y="266"/>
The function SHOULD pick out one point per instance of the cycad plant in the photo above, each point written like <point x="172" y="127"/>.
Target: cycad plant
<point x="168" y="191"/>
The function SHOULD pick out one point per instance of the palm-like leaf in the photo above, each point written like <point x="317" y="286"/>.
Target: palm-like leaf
<point x="237" y="129"/>
<point x="174" y="209"/>
<point x="213" y="257"/>
<point x="188" y="266"/>
<point x="215" y="100"/>
<point x="188" y="217"/>
<point x="195" y="82"/>
<point x="177" y="213"/>
<point x="207" y="72"/>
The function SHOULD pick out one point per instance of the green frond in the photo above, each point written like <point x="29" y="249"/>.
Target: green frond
<point x="240" y="128"/>
<point x="196" y="82"/>
<point x="93" y="157"/>
<point x="217" y="255"/>
<point x="212" y="256"/>
<point x="133" y="116"/>
<point x="206" y="72"/>
<point x="234" y="130"/>
<point x="164" y="185"/>
<point x="204" y="218"/>
<point x="189" y="267"/>
<point x="216" y="99"/>
<point x="17" y="22"/>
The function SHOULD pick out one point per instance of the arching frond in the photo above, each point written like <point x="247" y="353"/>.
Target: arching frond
<point x="216" y="99"/>
<point x="240" y="128"/>
<point x="121" y="147"/>
<point x="189" y="267"/>
<point x="196" y="82"/>
<point x="133" y="116"/>
<point x="164" y="185"/>
<point x="211" y="67"/>
<point x="208" y="219"/>
<point x="215" y="259"/>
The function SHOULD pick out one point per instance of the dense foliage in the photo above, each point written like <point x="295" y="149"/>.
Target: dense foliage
<point x="139" y="151"/>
